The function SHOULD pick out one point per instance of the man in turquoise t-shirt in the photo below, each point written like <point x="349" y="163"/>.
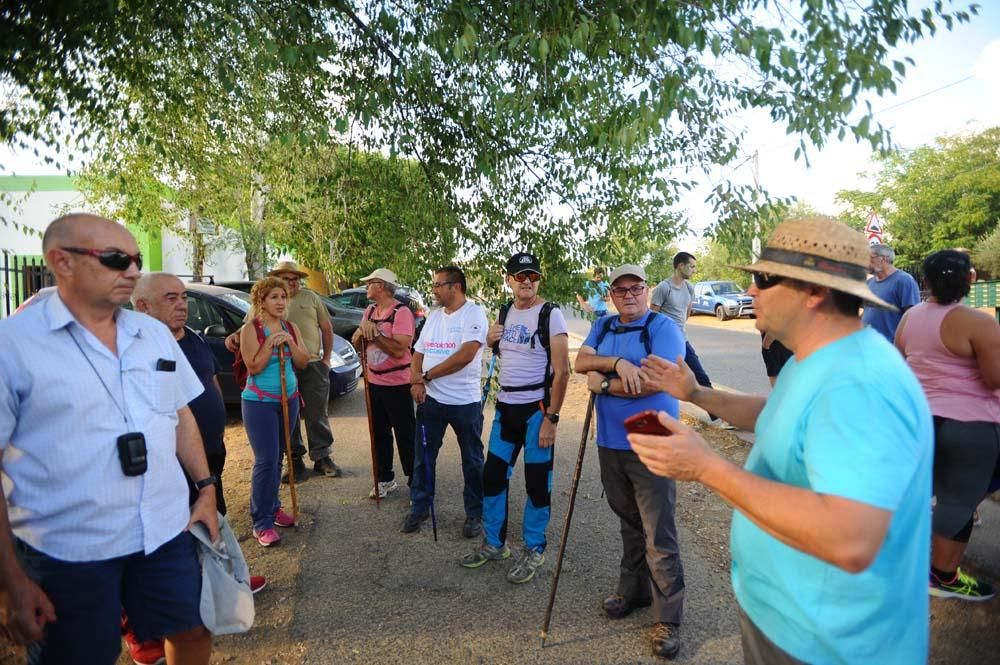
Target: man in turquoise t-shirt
<point x="831" y="532"/>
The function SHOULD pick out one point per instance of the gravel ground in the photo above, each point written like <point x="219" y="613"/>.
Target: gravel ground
<point x="346" y="587"/>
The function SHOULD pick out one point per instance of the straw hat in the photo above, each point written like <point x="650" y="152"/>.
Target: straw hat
<point x="824" y="252"/>
<point x="287" y="266"/>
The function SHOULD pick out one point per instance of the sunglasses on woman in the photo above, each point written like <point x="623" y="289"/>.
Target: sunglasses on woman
<point x="109" y="258"/>
<point x="765" y="280"/>
<point x="527" y="277"/>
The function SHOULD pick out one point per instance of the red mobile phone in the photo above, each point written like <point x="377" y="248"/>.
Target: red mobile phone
<point x="646" y="422"/>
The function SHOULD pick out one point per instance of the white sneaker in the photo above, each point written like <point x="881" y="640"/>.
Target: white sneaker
<point x="383" y="489"/>
<point x="720" y="423"/>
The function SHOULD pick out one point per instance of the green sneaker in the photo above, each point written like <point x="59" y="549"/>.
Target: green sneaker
<point x="526" y="566"/>
<point x="962" y="587"/>
<point x="486" y="552"/>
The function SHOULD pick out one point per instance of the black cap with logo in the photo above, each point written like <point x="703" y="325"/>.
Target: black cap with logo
<point x="523" y="262"/>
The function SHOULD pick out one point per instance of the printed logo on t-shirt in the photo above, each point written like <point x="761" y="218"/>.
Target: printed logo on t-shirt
<point x="439" y="348"/>
<point x="518" y="334"/>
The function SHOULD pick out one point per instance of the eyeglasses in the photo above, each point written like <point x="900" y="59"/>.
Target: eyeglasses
<point x="109" y="258"/>
<point x="764" y="280"/>
<point x="635" y="289"/>
<point x="527" y="277"/>
<point x="438" y="285"/>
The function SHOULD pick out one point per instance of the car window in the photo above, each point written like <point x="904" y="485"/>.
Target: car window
<point x="726" y="287"/>
<point x="348" y="299"/>
<point x="202" y="314"/>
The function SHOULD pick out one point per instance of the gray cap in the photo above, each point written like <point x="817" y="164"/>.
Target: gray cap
<point x="627" y="269"/>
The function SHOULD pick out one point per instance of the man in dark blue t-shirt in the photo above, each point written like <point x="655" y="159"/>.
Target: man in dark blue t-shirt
<point x="651" y="570"/>
<point x="162" y="296"/>
<point x="891" y="285"/>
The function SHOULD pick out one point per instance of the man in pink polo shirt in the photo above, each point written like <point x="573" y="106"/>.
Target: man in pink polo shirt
<point x="387" y="330"/>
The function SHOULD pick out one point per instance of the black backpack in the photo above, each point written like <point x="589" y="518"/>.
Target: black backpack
<point x="542" y="334"/>
<point x="643" y="331"/>
<point x="389" y="319"/>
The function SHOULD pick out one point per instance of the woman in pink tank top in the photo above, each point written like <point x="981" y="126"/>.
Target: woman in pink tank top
<point x="955" y="352"/>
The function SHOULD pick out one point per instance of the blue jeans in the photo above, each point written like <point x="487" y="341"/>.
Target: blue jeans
<point x="701" y="376"/>
<point x="466" y="421"/>
<point x="266" y="432"/>
<point x="161" y="592"/>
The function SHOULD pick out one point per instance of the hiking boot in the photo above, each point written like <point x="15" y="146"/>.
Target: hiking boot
<point x="149" y="652"/>
<point x="530" y="561"/>
<point x="617" y="607"/>
<point x="326" y="467"/>
<point x="962" y="587"/>
<point x="666" y="640"/>
<point x="300" y="472"/>
<point x="267" y="537"/>
<point x="473" y="527"/>
<point x="720" y="423"/>
<point x="413" y="521"/>
<point x="384" y="489"/>
<point x="283" y="519"/>
<point x="486" y="552"/>
<point x="257" y="583"/>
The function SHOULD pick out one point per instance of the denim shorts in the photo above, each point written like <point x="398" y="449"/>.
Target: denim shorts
<point x="160" y="593"/>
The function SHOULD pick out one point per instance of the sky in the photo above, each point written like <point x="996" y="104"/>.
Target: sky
<point x="953" y="87"/>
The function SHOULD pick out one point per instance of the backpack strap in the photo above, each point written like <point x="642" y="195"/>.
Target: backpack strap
<point x="644" y="337"/>
<point x="542" y="333"/>
<point x="501" y="319"/>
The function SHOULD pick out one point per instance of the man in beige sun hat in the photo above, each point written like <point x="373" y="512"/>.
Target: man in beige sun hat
<point x="831" y="529"/>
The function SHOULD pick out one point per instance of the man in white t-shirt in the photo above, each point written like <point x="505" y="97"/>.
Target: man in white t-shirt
<point x="532" y="336"/>
<point x="445" y="382"/>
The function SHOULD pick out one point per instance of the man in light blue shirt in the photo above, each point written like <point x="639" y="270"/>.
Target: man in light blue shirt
<point x="93" y="423"/>
<point x="831" y="531"/>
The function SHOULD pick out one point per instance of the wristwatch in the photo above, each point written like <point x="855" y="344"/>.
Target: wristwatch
<point x="553" y="418"/>
<point x="426" y="378"/>
<point x="605" y="386"/>
<point x="205" y="482"/>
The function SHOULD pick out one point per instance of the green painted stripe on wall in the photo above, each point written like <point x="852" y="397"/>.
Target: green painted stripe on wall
<point x="40" y="183"/>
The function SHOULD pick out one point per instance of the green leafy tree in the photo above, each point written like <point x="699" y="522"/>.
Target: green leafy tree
<point x="935" y="197"/>
<point x="986" y="255"/>
<point x="603" y="112"/>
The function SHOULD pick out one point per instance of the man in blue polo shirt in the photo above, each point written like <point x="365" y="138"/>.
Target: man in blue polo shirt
<point x="651" y="570"/>
<point x="831" y="531"/>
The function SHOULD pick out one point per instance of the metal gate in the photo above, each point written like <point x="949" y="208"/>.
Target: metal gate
<point x="20" y="278"/>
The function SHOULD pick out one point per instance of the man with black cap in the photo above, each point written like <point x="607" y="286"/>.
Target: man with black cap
<point x="532" y="336"/>
<point x="831" y="532"/>
<point x="651" y="569"/>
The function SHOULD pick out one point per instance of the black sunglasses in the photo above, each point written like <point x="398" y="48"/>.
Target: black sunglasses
<point x="765" y="280"/>
<point x="109" y="258"/>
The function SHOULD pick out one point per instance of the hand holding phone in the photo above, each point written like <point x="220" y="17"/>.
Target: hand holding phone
<point x="646" y="422"/>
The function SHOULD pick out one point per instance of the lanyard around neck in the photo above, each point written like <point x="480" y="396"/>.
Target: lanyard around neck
<point x="101" y="378"/>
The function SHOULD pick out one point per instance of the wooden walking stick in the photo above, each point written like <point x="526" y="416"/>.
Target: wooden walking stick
<point x="371" y="428"/>
<point x="288" y="432"/>
<point x="569" y="516"/>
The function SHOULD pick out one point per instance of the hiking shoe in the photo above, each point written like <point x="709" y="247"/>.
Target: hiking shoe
<point x="963" y="587"/>
<point x="530" y="561"/>
<point x="257" y="583"/>
<point x="412" y="522"/>
<point x="666" y="639"/>
<point x="283" y="519"/>
<point x="616" y="606"/>
<point x="149" y="652"/>
<point x="473" y="527"/>
<point x="267" y="537"/>
<point x="486" y="552"/>
<point x="326" y="467"/>
<point x="384" y="489"/>
<point x="300" y="472"/>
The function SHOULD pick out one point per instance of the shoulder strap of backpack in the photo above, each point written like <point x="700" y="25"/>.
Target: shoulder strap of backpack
<point x="644" y="335"/>
<point x="605" y="329"/>
<point x="501" y="319"/>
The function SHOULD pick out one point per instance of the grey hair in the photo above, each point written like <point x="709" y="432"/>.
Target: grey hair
<point x="145" y="283"/>
<point x="390" y="288"/>
<point x="886" y="252"/>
